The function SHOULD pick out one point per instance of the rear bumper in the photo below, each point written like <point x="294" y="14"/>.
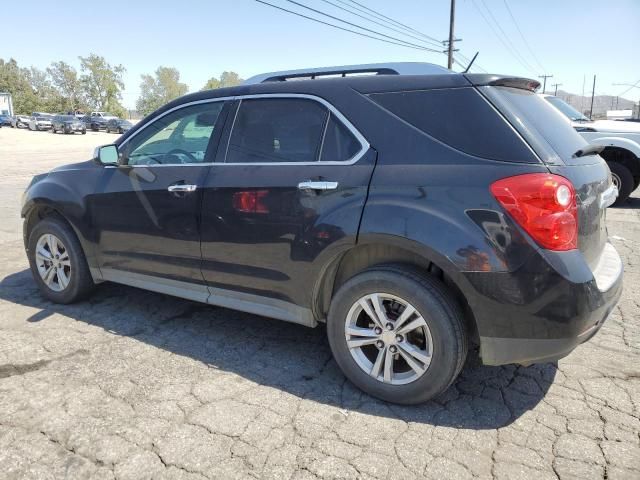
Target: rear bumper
<point x="563" y="308"/>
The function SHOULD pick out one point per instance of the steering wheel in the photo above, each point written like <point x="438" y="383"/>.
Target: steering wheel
<point x="183" y="152"/>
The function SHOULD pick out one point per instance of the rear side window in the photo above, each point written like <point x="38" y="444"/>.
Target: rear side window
<point x="548" y="131"/>
<point x="460" y="118"/>
<point x="269" y="130"/>
<point x="339" y="143"/>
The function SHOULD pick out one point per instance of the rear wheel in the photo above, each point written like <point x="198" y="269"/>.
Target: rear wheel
<point x="623" y="180"/>
<point x="396" y="334"/>
<point x="57" y="262"/>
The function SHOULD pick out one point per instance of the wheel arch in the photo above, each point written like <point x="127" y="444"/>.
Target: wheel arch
<point x="389" y="249"/>
<point x="626" y="153"/>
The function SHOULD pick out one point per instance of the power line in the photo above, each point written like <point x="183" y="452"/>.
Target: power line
<point x="522" y="36"/>
<point x="380" y="15"/>
<point x="630" y="87"/>
<point x="360" y="27"/>
<point x="384" y="25"/>
<point x="506" y="45"/>
<point x="345" y="29"/>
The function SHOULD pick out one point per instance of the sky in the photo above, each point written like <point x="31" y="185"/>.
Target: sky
<point x="569" y="39"/>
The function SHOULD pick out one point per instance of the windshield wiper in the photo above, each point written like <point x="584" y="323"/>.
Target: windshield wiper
<point x="588" y="150"/>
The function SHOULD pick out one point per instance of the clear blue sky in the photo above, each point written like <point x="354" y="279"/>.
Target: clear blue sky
<point x="570" y="38"/>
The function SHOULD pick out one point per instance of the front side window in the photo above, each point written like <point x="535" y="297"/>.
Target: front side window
<point x="180" y="137"/>
<point x="272" y="130"/>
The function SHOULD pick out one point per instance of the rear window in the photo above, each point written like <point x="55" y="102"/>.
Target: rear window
<point x="548" y="132"/>
<point x="460" y="118"/>
<point x="277" y="130"/>
<point x="339" y="143"/>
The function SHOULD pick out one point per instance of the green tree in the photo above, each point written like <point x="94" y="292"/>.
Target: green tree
<point x="15" y="80"/>
<point x="158" y="89"/>
<point x="227" y="79"/>
<point x="49" y="100"/>
<point x="64" y="79"/>
<point x="102" y="84"/>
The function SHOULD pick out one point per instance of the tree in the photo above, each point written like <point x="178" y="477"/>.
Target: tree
<point x="49" y="100"/>
<point x="157" y="90"/>
<point x="64" y="79"/>
<point x="227" y="79"/>
<point x="102" y="84"/>
<point x="15" y="80"/>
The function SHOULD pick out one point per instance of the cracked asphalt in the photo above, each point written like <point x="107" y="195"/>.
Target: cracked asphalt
<point x="133" y="385"/>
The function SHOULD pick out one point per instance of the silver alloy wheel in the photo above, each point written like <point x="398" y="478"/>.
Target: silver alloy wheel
<point x="615" y="179"/>
<point x="388" y="338"/>
<point x="53" y="262"/>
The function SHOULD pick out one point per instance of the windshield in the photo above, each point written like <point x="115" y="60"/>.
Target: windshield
<point x="67" y="117"/>
<point x="568" y="111"/>
<point x="43" y="119"/>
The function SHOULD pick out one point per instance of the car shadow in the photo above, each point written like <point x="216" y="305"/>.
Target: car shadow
<point x="289" y="357"/>
<point x="632" y="202"/>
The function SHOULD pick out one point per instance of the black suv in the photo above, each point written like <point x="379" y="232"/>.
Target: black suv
<point x="117" y="125"/>
<point x="68" y="124"/>
<point x="415" y="211"/>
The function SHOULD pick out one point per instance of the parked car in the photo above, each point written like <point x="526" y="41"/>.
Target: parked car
<point x="20" y="121"/>
<point x="6" y="120"/>
<point x="105" y="115"/>
<point x="68" y="124"/>
<point x="95" y="123"/>
<point x="620" y="139"/>
<point x="417" y="212"/>
<point x="40" y="122"/>
<point x="118" y="125"/>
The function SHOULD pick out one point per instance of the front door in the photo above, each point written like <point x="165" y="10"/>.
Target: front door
<point x="286" y="195"/>
<point x="146" y="211"/>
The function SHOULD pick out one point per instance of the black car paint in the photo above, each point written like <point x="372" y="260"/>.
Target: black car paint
<point x="417" y="195"/>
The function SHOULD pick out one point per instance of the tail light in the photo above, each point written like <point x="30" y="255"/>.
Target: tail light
<point x="544" y="205"/>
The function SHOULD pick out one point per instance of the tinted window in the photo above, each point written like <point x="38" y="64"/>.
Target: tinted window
<point x="181" y="136"/>
<point x="339" y="143"/>
<point x="546" y="129"/>
<point x="460" y="118"/>
<point x="277" y="130"/>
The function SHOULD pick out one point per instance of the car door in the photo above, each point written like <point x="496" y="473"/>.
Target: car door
<point x="146" y="211"/>
<point x="286" y="193"/>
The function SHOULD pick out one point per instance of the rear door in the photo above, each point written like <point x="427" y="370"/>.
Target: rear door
<point x="556" y="143"/>
<point x="286" y="194"/>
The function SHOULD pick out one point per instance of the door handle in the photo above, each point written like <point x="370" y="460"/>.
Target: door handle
<point x="309" y="185"/>
<point x="182" y="188"/>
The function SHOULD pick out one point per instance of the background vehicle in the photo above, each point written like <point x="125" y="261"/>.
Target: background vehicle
<point x="67" y="124"/>
<point x="6" y="120"/>
<point x="40" y="122"/>
<point x="118" y="125"/>
<point x="94" y="123"/>
<point x="20" y="121"/>
<point x="621" y="141"/>
<point x="344" y="200"/>
<point x="105" y="115"/>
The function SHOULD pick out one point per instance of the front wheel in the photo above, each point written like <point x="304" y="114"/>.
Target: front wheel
<point x="397" y="334"/>
<point x="623" y="179"/>
<point x="57" y="262"/>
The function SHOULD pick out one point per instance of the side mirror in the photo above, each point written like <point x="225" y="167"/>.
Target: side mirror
<point x="107" y="155"/>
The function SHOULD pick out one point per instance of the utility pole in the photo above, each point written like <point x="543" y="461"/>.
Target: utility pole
<point x="556" y="85"/>
<point x="451" y="40"/>
<point x="544" y="85"/>
<point x="593" y="92"/>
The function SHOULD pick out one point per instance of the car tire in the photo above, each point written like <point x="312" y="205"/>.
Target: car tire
<point x="84" y="132"/>
<point x="623" y="179"/>
<point x="444" y="337"/>
<point x="79" y="282"/>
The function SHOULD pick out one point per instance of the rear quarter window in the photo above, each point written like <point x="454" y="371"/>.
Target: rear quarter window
<point x="460" y="118"/>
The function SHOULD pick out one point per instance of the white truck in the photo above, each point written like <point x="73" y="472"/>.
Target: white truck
<point x="621" y="141"/>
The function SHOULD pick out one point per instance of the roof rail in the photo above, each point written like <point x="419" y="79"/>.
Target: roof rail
<point x="397" y="68"/>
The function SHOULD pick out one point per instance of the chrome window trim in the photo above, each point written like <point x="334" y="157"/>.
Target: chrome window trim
<point x="364" y="144"/>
